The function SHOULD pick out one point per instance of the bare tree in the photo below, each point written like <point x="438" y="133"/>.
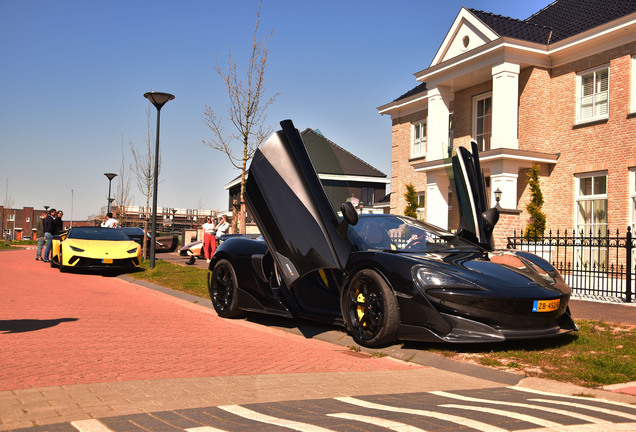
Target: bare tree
<point x="122" y="192"/>
<point x="144" y="164"/>
<point x="246" y="112"/>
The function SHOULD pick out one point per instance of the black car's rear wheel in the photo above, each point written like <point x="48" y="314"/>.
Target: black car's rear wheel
<point x="223" y="288"/>
<point x="370" y="309"/>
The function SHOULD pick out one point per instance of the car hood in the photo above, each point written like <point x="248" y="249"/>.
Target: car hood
<point x="502" y="270"/>
<point x="296" y="219"/>
<point x="101" y="244"/>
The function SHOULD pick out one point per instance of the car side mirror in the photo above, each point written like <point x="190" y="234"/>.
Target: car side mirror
<point x="349" y="217"/>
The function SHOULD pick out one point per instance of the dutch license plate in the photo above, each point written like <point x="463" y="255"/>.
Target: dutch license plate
<point x="545" y="305"/>
<point x="107" y="261"/>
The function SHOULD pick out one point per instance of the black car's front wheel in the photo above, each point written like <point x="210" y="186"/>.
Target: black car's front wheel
<point x="370" y="310"/>
<point x="223" y="288"/>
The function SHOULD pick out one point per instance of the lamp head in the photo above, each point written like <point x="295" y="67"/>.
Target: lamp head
<point x="158" y="99"/>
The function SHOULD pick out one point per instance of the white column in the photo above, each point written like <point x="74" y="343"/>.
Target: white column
<point x="439" y="99"/>
<point x="437" y="199"/>
<point x="505" y="106"/>
<point x="503" y="176"/>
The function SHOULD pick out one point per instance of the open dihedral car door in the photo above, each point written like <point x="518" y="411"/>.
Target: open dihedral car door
<point x="290" y="206"/>
<point x="476" y="221"/>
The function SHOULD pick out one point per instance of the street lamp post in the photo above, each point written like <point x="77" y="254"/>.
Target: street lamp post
<point x="110" y="177"/>
<point x="158" y="100"/>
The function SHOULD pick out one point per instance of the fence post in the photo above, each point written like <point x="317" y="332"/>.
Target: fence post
<point x="628" y="262"/>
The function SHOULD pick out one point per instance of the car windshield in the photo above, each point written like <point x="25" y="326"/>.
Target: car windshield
<point x="401" y="234"/>
<point x="133" y="231"/>
<point x="96" y="233"/>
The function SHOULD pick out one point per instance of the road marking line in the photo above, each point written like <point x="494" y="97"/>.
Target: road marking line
<point x="389" y="424"/>
<point x="263" y="418"/>
<point x="608" y="427"/>
<point x="581" y="398"/>
<point x="91" y="425"/>
<point x="580" y="416"/>
<point x="447" y="417"/>
<point x="205" y="429"/>
<point x="590" y="407"/>
<point x="514" y="415"/>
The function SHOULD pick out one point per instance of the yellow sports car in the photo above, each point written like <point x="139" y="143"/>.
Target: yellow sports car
<point x="95" y="247"/>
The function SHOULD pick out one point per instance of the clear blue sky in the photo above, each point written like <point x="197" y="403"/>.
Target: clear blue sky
<point x="73" y="74"/>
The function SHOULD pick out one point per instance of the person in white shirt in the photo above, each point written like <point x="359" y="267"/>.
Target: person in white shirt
<point x="223" y="227"/>
<point x="209" y="242"/>
<point x="110" y="221"/>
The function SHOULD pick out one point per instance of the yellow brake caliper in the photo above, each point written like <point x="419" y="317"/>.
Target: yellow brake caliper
<point x="360" y="309"/>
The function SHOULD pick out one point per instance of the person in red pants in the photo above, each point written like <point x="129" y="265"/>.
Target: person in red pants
<point x="209" y="240"/>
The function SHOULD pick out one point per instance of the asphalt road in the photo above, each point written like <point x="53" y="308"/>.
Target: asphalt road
<point x="88" y="352"/>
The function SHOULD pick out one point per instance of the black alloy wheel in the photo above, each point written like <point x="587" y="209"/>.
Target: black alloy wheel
<point x="370" y="309"/>
<point x="223" y="289"/>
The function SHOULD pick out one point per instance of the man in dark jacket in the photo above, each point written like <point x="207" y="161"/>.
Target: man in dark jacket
<point x="49" y="230"/>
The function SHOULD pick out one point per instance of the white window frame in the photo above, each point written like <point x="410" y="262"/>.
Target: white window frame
<point x="11" y="217"/>
<point x="420" y="126"/>
<point x="476" y="100"/>
<point x="421" y="206"/>
<point x="599" y="255"/>
<point x="598" y="94"/>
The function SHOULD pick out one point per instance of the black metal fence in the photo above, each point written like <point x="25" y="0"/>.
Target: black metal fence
<point x="597" y="266"/>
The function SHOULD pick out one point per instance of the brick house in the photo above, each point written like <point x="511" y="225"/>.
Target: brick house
<point x="557" y="89"/>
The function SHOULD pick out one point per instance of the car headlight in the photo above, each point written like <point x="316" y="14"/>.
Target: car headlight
<point x="427" y="278"/>
<point x="133" y="250"/>
<point x="76" y="249"/>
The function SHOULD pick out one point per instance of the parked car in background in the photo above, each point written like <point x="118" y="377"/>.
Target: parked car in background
<point x="194" y="250"/>
<point x="95" y="247"/>
<point x="165" y="243"/>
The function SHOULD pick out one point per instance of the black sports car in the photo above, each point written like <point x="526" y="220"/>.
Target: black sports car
<point x="383" y="277"/>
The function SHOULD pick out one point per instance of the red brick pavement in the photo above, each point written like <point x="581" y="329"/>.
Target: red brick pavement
<point x="103" y="329"/>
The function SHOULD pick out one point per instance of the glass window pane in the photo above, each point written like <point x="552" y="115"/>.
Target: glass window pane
<point x="585" y="187"/>
<point x="587" y="83"/>
<point x="600" y="185"/>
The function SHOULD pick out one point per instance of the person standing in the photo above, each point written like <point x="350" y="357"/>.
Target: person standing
<point x="110" y="221"/>
<point x="39" y="232"/>
<point x="59" y="225"/>
<point x="49" y="230"/>
<point x="209" y="241"/>
<point x="223" y="227"/>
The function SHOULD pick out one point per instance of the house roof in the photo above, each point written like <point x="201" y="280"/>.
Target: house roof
<point x="330" y="158"/>
<point x="569" y="17"/>
<point x="510" y="27"/>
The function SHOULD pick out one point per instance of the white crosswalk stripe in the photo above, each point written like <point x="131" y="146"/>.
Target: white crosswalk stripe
<point x="580" y="416"/>
<point x="90" y="425"/>
<point x="514" y="415"/>
<point x="263" y="418"/>
<point x="441" y="416"/>
<point x="205" y="429"/>
<point x="595" y="408"/>
<point x="389" y="424"/>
